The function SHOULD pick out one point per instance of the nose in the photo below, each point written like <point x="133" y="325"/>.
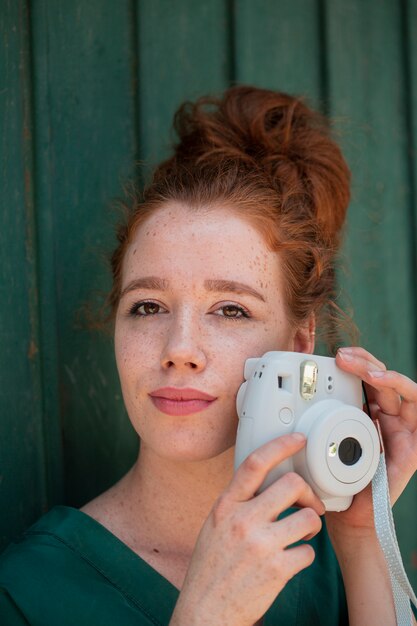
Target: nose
<point x="183" y="349"/>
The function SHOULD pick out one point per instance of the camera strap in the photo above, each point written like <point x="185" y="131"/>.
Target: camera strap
<point x="385" y="530"/>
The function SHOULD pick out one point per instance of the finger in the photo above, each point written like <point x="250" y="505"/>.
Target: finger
<point x="357" y="353"/>
<point x="376" y="413"/>
<point x="254" y="469"/>
<point x="361" y="363"/>
<point x="289" y="490"/>
<point x="297" y="558"/>
<point x="382" y="400"/>
<point x="358" y="361"/>
<point x="301" y="525"/>
<point x="399" y="383"/>
<point x="403" y="387"/>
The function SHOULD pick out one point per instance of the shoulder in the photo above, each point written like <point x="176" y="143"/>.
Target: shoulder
<point x="41" y="568"/>
<point x="42" y="544"/>
<point x="67" y="569"/>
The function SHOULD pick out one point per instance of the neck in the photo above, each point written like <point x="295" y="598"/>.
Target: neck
<point x="169" y="501"/>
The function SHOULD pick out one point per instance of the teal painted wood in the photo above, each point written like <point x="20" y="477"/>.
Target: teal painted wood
<point x="22" y="480"/>
<point x="410" y="54"/>
<point x="84" y="64"/>
<point x="278" y="46"/>
<point x="406" y="508"/>
<point x="183" y="51"/>
<point x="367" y="89"/>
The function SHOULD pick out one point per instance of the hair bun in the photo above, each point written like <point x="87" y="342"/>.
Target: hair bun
<point x="278" y="134"/>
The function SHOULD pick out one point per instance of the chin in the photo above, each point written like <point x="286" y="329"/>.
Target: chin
<point x="196" y="450"/>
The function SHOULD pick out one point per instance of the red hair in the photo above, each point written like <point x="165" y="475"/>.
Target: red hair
<point x="271" y="159"/>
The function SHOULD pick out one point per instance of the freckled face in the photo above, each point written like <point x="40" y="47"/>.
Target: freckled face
<point x="201" y="294"/>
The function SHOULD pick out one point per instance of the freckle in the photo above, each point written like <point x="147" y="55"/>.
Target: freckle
<point x="156" y="550"/>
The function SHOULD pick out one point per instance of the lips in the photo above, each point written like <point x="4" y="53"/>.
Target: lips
<point x="176" y="401"/>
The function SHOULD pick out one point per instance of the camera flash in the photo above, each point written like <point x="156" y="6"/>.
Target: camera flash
<point x="308" y="379"/>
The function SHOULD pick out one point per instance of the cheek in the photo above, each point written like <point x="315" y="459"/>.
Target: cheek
<point x="133" y="342"/>
<point x="269" y="339"/>
<point x="231" y="350"/>
<point x="131" y="352"/>
<point x="271" y="335"/>
<point x="119" y="349"/>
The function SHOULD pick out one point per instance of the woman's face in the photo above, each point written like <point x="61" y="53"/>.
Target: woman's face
<point x="201" y="293"/>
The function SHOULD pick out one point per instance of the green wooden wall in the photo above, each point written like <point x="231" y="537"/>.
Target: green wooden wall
<point x="87" y="90"/>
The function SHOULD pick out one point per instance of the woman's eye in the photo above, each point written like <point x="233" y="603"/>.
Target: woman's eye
<point x="232" y="311"/>
<point x="145" y="309"/>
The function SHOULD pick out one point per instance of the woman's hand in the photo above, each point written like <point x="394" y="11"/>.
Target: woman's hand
<point x="393" y="400"/>
<point x="242" y="558"/>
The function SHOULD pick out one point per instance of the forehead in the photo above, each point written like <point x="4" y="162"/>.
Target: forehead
<point x="180" y="241"/>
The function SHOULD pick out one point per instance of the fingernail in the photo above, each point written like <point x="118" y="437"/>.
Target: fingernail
<point x="346" y="354"/>
<point x="346" y="350"/>
<point x="376" y="373"/>
<point x="299" y="436"/>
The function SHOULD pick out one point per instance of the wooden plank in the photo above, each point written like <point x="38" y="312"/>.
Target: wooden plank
<point x="406" y="508"/>
<point x="410" y="52"/>
<point x="368" y="91"/>
<point x="182" y="54"/>
<point x="22" y="493"/>
<point x="278" y="46"/>
<point x="86" y="146"/>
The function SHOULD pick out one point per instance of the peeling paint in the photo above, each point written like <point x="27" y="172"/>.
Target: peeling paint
<point x="33" y="350"/>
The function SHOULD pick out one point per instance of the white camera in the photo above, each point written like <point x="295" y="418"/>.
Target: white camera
<point x="289" y="392"/>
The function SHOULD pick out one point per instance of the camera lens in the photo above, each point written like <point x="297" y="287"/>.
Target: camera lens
<point x="350" y="451"/>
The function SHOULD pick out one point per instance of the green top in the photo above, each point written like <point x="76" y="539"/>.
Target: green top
<point x="68" y="569"/>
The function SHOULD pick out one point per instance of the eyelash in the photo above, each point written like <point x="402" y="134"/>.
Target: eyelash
<point x="134" y="310"/>
<point x="243" y="313"/>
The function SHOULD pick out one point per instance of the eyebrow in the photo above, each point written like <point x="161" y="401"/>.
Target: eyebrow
<point x="233" y="287"/>
<point x="147" y="282"/>
<point x="215" y="285"/>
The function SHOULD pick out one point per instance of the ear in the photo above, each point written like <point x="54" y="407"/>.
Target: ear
<point x="304" y="339"/>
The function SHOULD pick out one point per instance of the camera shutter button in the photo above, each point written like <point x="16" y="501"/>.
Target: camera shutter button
<point x="286" y="415"/>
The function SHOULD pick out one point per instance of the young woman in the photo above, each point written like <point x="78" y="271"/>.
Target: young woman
<point x="229" y="254"/>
